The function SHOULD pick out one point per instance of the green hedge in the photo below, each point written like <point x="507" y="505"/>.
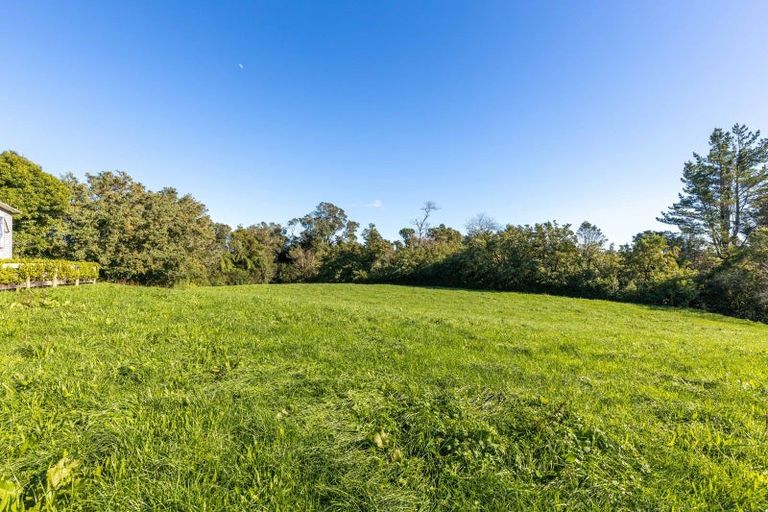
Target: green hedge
<point x="45" y="270"/>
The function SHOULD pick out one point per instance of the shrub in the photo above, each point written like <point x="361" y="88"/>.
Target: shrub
<point x="18" y="271"/>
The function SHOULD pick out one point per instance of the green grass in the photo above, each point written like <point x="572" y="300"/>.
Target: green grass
<point x="345" y="397"/>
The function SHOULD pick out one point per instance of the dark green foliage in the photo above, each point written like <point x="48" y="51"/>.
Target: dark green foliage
<point x="376" y="250"/>
<point x="326" y="225"/>
<point x="248" y="255"/>
<point x="715" y="261"/>
<point x="43" y="201"/>
<point x="546" y="257"/>
<point x="740" y="287"/>
<point x="408" y="235"/>
<point x="342" y="263"/>
<point x="137" y="235"/>
<point x="651" y="273"/>
<point x="543" y="258"/>
<point x="325" y="249"/>
<point x="724" y="190"/>
<point x="419" y="260"/>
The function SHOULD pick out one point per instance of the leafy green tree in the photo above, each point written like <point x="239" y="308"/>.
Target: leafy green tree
<point x="322" y="227"/>
<point x="555" y="255"/>
<point x="422" y="260"/>
<point x="599" y="267"/>
<point x="651" y="272"/>
<point x="222" y="240"/>
<point x="723" y="190"/>
<point x="443" y="234"/>
<point x="591" y="241"/>
<point x="343" y="263"/>
<point x="693" y="251"/>
<point x="377" y="251"/>
<point x="254" y="253"/>
<point x="43" y="201"/>
<point x="303" y="264"/>
<point x="650" y="258"/>
<point x="409" y="237"/>
<point x="137" y="235"/>
<point x="320" y="230"/>
<point x="350" y="232"/>
<point x="740" y="286"/>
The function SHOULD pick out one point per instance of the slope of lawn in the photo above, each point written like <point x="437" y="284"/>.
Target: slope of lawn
<point x="344" y="397"/>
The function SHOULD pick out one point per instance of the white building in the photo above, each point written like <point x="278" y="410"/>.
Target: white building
<point x="6" y="230"/>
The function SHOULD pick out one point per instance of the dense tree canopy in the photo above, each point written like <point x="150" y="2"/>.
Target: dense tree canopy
<point x="137" y="235"/>
<point x="718" y="259"/>
<point x="250" y="253"/>
<point x="322" y="227"/>
<point x="43" y="201"/>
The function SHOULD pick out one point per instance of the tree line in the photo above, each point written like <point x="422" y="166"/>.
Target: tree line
<point x="717" y="259"/>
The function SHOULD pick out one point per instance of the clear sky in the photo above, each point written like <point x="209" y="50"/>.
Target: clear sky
<point x="525" y="111"/>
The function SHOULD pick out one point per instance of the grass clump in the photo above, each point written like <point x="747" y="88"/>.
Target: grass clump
<point x="344" y="397"/>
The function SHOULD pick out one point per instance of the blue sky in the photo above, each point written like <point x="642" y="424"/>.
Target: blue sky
<point x="525" y="111"/>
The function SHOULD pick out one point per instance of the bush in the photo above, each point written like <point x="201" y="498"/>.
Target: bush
<point x="18" y="271"/>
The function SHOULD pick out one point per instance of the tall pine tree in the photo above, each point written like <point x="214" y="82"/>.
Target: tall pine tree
<point x="724" y="190"/>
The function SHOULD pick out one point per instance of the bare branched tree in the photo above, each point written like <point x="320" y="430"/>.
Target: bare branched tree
<point x="422" y="224"/>
<point x="481" y="224"/>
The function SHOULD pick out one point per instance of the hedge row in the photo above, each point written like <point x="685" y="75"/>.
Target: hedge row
<point x="18" y="272"/>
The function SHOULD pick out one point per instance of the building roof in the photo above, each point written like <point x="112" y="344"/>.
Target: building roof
<point x="9" y="209"/>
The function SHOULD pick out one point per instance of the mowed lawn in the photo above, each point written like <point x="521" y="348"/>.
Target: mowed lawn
<point x="354" y="397"/>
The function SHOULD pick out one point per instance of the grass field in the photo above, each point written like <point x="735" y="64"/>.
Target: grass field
<point x="344" y="397"/>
